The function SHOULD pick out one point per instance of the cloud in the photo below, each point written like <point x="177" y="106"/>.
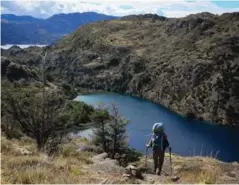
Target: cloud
<point x="113" y="7"/>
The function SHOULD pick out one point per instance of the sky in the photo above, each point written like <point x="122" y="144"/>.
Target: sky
<point x="167" y="8"/>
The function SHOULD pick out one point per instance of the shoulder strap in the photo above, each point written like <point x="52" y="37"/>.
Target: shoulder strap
<point x="165" y="135"/>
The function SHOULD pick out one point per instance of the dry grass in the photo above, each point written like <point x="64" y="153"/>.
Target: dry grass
<point x="198" y="170"/>
<point x="207" y="174"/>
<point x="70" y="167"/>
<point x="202" y="170"/>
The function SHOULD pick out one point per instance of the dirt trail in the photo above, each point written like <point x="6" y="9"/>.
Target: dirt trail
<point x="184" y="170"/>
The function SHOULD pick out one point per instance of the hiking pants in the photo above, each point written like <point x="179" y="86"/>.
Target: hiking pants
<point x="158" y="156"/>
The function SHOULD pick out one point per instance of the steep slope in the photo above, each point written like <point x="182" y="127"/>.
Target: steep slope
<point x="190" y="65"/>
<point x="30" y="30"/>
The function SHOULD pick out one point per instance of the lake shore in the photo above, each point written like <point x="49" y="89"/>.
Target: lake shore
<point x="143" y="114"/>
<point x="23" y="46"/>
<point x="190" y="116"/>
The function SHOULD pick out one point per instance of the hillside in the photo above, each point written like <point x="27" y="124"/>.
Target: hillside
<point x="190" y="64"/>
<point x="30" y="30"/>
<point x="22" y="164"/>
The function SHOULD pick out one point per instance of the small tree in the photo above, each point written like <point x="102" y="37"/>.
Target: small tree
<point x="109" y="129"/>
<point x="40" y="115"/>
<point x="117" y="130"/>
<point x="41" y="120"/>
<point x="100" y="118"/>
<point x="110" y="133"/>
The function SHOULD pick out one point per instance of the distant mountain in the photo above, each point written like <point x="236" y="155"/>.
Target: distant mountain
<point x="31" y="30"/>
<point x="24" y="18"/>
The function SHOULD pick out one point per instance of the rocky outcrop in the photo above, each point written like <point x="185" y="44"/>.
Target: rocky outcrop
<point x="15" y="71"/>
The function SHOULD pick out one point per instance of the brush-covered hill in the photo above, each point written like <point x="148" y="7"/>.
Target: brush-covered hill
<point x="189" y="64"/>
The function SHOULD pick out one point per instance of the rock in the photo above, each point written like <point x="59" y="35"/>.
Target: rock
<point x="23" y="151"/>
<point x="131" y="166"/>
<point x="126" y="175"/>
<point x="106" y="165"/>
<point x="235" y="163"/>
<point x="233" y="174"/>
<point x="175" y="178"/>
<point x="177" y="168"/>
<point x="99" y="157"/>
<point x="112" y="162"/>
<point x="117" y="156"/>
<point x="89" y="148"/>
<point x="104" y="181"/>
<point x="133" y="171"/>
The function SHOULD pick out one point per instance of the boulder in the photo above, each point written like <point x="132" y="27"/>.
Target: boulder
<point x="111" y="162"/>
<point x="89" y="148"/>
<point x="131" y="171"/>
<point x="23" y="151"/>
<point x="233" y="174"/>
<point x="175" y="178"/>
<point x="99" y="157"/>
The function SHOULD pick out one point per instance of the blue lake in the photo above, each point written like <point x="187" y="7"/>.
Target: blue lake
<point x="187" y="138"/>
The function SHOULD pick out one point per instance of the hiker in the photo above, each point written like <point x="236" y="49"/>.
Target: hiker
<point x="158" y="143"/>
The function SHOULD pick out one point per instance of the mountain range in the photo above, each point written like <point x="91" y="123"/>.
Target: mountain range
<point x="31" y="30"/>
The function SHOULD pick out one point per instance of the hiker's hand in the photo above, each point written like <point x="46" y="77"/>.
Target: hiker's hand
<point x="147" y="145"/>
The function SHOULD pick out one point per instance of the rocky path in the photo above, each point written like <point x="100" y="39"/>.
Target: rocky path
<point x="184" y="170"/>
<point x="110" y="171"/>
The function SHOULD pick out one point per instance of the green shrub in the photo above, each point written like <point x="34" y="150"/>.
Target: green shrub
<point x="129" y="155"/>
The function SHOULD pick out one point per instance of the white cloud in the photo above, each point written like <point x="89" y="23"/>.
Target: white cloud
<point x="113" y="7"/>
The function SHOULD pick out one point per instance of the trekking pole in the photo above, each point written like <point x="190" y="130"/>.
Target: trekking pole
<point x="146" y="155"/>
<point x="170" y="151"/>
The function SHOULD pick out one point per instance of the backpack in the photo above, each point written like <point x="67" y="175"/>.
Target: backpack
<point x="158" y="141"/>
<point x="159" y="138"/>
<point x="158" y="128"/>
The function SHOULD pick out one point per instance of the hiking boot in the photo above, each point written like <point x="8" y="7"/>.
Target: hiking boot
<point x="155" y="171"/>
<point x="159" y="173"/>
